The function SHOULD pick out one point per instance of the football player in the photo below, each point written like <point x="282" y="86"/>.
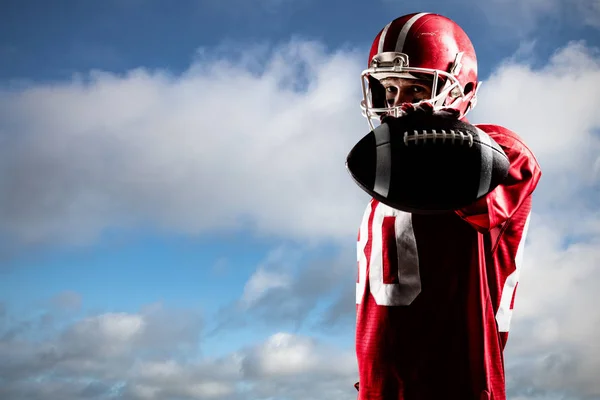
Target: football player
<point x="435" y="293"/>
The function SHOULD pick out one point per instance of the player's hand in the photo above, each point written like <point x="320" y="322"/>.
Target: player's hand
<point x="410" y="113"/>
<point x="424" y="109"/>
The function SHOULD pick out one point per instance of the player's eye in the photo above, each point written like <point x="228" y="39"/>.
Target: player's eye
<point x="391" y="89"/>
<point x="417" y="89"/>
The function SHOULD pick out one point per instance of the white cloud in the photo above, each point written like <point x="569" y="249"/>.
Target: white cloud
<point x="284" y="355"/>
<point x="295" y="287"/>
<point x="209" y="390"/>
<point x="160" y="370"/>
<point x="262" y="281"/>
<point x="273" y="273"/>
<point x="215" y="148"/>
<point x="110" y="334"/>
<point x="143" y="392"/>
<point x="283" y="366"/>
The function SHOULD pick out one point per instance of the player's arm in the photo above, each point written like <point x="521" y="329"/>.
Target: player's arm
<point x="501" y="203"/>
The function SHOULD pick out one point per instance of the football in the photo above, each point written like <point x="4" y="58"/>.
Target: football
<point x="427" y="162"/>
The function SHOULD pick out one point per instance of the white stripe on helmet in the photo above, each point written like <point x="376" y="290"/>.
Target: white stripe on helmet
<point x="382" y="38"/>
<point x="404" y="32"/>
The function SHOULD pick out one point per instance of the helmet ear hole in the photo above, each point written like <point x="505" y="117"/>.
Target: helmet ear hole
<point x="469" y="87"/>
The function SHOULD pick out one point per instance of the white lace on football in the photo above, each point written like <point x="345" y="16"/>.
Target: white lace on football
<point x="453" y="136"/>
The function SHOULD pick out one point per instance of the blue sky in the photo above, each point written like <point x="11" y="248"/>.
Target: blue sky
<point x="176" y="220"/>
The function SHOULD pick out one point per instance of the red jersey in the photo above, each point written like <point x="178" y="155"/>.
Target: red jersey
<point x="435" y="292"/>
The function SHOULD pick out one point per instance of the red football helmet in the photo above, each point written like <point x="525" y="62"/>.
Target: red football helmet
<point x="422" y="46"/>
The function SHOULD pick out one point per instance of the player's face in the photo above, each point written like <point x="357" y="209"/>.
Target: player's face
<point x="402" y="90"/>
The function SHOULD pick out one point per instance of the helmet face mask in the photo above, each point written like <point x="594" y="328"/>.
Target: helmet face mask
<point x="421" y="46"/>
<point x="444" y="86"/>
